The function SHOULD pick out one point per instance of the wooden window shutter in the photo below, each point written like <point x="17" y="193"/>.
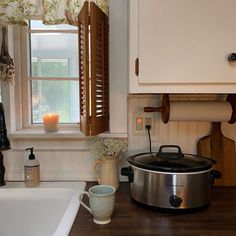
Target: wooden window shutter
<point x="99" y="70"/>
<point x="83" y="46"/>
<point x="94" y="87"/>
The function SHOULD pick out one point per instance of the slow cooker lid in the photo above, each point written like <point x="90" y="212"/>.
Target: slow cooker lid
<point x="166" y="161"/>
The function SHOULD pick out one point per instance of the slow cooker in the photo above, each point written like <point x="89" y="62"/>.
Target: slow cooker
<point x="171" y="179"/>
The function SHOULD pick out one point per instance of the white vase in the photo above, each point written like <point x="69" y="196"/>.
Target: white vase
<point x="107" y="172"/>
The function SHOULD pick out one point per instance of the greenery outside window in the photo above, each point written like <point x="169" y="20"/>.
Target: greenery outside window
<point x="51" y="77"/>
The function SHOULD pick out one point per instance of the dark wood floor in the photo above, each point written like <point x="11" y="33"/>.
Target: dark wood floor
<point x="219" y="219"/>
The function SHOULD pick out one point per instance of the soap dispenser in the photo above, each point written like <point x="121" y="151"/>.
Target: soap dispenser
<point x="32" y="170"/>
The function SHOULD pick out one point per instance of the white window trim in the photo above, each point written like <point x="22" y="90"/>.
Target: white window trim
<point x="21" y="53"/>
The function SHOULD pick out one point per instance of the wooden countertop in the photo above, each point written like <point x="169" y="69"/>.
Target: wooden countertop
<point x="129" y="219"/>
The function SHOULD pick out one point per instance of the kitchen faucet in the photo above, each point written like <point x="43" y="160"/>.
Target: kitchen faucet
<point x="4" y="143"/>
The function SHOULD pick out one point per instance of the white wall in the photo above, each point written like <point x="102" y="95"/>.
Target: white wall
<point x="118" y="65"/>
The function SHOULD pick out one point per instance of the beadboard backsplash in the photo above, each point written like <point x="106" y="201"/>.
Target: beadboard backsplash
<point x="67" y="159"/>
<point x="60" y="159"/>
<point x="184" y="134"/>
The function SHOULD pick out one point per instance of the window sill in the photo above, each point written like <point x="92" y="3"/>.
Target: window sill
<point x="62" y="134"/>
<point x="41" y="134"/>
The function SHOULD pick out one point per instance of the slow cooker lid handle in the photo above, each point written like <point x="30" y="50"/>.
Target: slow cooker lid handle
<point x="214" y="174"/>
<point x="170" y="155"/>
<point x="128" y="171"/>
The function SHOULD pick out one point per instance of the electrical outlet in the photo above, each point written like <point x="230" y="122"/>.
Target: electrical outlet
<point x="148" y="121"/>
<point x="140" y="120"/>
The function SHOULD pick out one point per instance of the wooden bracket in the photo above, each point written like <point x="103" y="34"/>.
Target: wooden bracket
<point x="164" y="109"/>
<point x="137" y="67"/>
<point x="231" y="98"/>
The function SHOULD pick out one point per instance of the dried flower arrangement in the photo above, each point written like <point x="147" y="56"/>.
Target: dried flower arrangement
<point x="7" y="68"/>
<point x="108" y="148"/>
<point x="7" y="73"/>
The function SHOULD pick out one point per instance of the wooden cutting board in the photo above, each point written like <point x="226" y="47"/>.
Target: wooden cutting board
<point x="222" y="150"/>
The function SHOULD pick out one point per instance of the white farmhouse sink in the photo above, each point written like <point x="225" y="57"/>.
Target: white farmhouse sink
<point x="46" y="210"/>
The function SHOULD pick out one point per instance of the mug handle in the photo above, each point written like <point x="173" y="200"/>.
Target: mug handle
<point x="82" y="203"/>
<point x="95" y="170"/>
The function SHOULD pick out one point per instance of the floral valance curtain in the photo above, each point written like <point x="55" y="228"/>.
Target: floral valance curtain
<point x="17" y="12"/>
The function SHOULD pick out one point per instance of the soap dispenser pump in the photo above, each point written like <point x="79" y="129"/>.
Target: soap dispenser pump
<point x="32" y="170"/>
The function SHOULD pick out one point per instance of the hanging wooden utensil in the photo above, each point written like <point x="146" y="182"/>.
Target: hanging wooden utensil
<point x="222" y="150"/>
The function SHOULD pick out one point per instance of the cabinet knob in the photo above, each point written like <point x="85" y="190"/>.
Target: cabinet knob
<point x="232" y="57"/>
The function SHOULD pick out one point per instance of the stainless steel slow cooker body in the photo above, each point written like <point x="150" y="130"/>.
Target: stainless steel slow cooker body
<point x="171" y="190"/>
<point x="172" y="187"/>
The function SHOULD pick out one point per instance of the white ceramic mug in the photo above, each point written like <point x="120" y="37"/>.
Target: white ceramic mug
<point x="101" y="202"/>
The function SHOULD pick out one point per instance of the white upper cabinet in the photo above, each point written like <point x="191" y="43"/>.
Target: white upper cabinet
<point x="182" y="46"/>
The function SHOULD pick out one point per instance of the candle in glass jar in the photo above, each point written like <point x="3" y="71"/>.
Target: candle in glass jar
<point x="50" y="122"/>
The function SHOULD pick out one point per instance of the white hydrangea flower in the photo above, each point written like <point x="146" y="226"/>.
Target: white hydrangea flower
<point x="108" y="148"/>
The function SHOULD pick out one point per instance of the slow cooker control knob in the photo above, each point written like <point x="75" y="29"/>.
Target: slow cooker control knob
<point x="175" y="201"/>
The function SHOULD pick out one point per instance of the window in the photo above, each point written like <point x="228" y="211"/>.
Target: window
<point x="51" y="79"/>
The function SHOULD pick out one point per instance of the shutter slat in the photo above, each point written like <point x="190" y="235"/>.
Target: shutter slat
<point x="99" y="71"/>
<point x="83" y="34"/>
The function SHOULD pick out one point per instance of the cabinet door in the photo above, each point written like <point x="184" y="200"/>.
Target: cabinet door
<point x="184" y="42"/>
